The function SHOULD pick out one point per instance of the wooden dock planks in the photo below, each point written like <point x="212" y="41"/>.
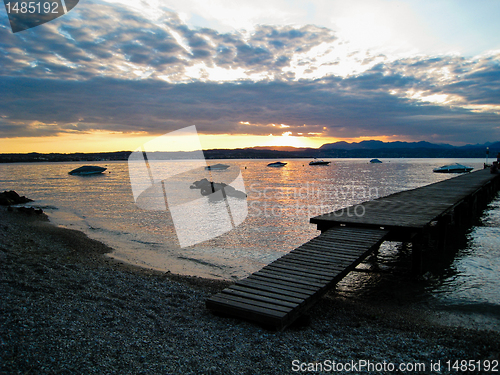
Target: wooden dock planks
<point x="411" y="209"/>
<point x="283" y="290"/>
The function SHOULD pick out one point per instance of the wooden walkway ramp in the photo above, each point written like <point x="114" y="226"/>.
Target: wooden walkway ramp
<point x="283" y="290"/>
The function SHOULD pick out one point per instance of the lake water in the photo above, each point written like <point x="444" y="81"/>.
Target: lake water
<point x="280" y="203"/>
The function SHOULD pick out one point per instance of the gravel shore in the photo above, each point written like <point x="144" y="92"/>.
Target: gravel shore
<point x="67" y="308"/>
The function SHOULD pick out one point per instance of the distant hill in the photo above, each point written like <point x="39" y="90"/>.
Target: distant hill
<point x="377" y="145"/>
<point x="280" y="148"/>
<point x="377" y="149"/>
<point x="57" y="157"/>
<point x="364" y="149"/>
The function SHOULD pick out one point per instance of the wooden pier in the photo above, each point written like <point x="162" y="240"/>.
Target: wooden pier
<point x="427" y="216"/>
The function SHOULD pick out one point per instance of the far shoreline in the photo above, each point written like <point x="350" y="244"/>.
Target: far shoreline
<point x="365" y="149"/>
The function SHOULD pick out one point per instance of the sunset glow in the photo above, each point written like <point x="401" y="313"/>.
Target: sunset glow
<point x="100" y="142"/>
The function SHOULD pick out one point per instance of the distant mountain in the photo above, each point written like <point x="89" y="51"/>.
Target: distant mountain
<point x="491" y="146"/>
<point x="377" y="145"/>
<point x="364" y="149"/>
<point x="379" y="149"/>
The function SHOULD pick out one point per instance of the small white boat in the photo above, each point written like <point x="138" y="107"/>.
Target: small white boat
<point x="375" y="161"/>
<point x="453" y="168"/>
<point x="319" y="162"/>
<point x="276" y="164"/>
<point x="217" y="167"/>
<point x="87" y="170"/>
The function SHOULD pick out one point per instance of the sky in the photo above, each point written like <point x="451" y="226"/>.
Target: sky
<point x="113" y="75"/>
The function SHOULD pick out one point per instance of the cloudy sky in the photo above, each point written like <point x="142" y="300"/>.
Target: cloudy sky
<point x="111" y="75"/>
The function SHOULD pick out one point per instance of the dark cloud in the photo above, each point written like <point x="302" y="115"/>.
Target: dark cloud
<point x="158" y="107"/>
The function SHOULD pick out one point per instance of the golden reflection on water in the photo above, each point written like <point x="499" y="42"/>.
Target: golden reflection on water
<point x="280" y="203"/>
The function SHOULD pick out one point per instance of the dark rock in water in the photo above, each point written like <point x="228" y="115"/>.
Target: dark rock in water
<point x="207" y="187"/>
<point x="8" y="198"/>
<point x="30" y="210"/>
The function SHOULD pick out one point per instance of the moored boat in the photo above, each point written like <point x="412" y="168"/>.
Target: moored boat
<point x="375" y="161"/>
<point x="277" y="164"/>
<point x="319" y="162"/>
<point x="217" y="167"/>
<point x="453" y="168"/>
<point x="87" y="170"/>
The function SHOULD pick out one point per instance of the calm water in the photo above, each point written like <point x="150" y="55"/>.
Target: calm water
<point x="280" y="203"/>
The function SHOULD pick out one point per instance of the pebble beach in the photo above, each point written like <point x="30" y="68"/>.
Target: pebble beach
<point x="67" y="308"/>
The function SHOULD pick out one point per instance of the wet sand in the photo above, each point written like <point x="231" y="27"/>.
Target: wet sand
<point x="68" y="308"/>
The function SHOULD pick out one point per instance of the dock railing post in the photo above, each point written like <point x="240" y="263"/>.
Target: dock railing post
<point x="416" y="256"/>
<point x="418" y="246"/>
<point x="427" y="247"/>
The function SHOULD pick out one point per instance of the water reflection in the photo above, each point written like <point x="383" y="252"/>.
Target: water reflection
<point x="281" y="202"/>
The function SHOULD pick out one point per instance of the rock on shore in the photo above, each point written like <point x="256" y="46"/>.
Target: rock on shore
<point x="8" y="198"/>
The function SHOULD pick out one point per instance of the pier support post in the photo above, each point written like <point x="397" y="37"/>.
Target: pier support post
<point x="417" y="257"/>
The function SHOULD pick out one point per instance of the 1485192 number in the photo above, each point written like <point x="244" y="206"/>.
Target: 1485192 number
<point x="32" y="7"/>
<point x="473" y="365"/>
